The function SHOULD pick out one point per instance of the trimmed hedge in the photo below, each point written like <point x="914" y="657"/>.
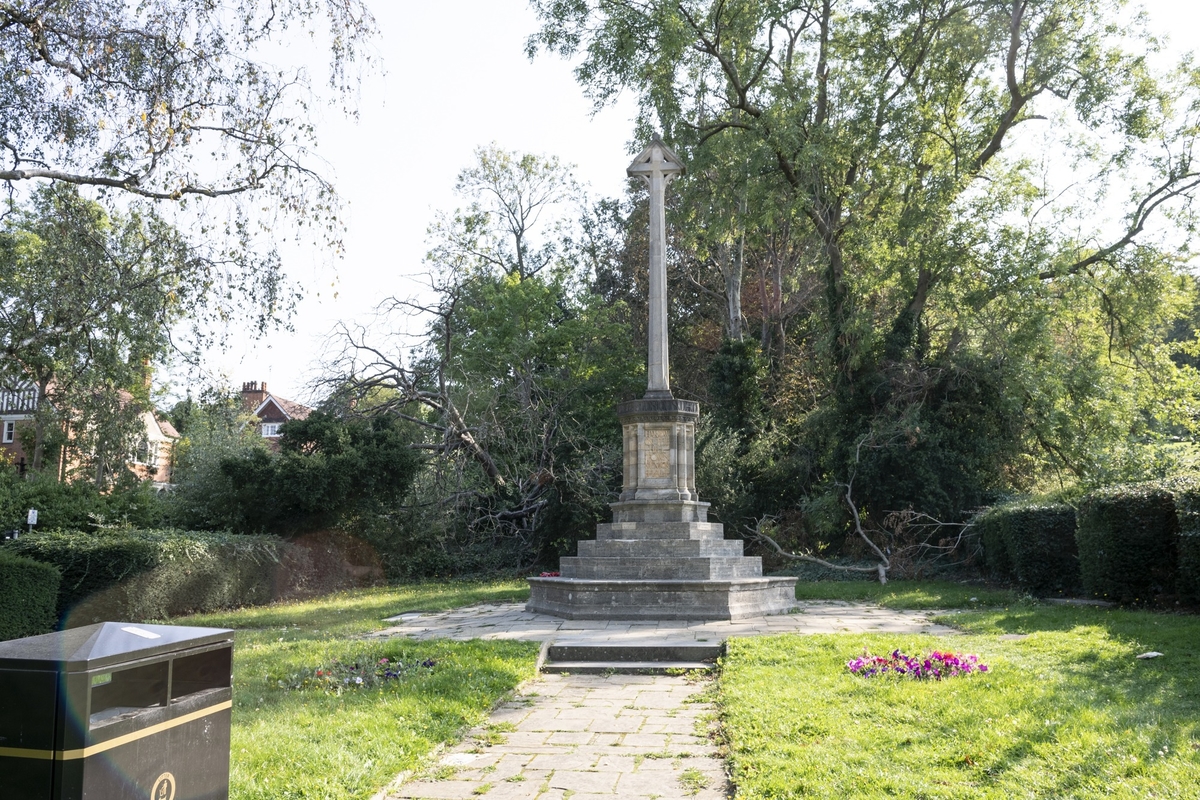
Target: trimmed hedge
<point x="1128" y="540"/>
<point x="1033" y="544"/>
<point x="1187" y="575"/>
<point x="139" y="575"/>
<point x="153" y="574"/>
<point x="28" y="594"/>
<point x="992" y="530"/>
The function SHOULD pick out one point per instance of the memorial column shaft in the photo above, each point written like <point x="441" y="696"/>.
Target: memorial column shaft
<point x="658" y="361"/>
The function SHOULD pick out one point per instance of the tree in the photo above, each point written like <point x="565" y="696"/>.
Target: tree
<point x="328" y="472"/>
<point x="177" y="102"/>
<point x="509" y="192"/>
<point x="213" y="428"/>
<point x="972" y="308"/>
<point x="87" y="301"/>
<point x="331" y="470"/>
<point x="515" y="378"/>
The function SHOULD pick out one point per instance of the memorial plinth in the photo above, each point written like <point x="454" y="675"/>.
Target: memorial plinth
<point x="660" y="557"/>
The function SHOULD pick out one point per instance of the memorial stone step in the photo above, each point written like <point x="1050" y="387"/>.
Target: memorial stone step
<point x="660" y="530"/>
<point x="660" y="548"/>
<point x="608" y="657"/>
<point x="662" y="568"/>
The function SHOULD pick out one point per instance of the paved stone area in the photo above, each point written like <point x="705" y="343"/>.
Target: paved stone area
<point x="600" y="737"/>
<point x="511" y="621"/>
<point x="585" y="737"/>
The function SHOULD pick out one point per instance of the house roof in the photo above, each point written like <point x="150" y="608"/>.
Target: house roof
<point x="290" y="408"/>
<point x="165" y="428"/>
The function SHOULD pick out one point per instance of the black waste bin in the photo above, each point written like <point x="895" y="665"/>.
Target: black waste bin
<point x="114" y="711"/>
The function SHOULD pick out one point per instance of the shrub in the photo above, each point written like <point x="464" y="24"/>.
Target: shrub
<point x="992" y="528"/>
<point x="1187" y="575"/>
<point x="1032" y="543"/>
<point x="152" y="574"/>
<point x="79" y="505"/>
<point x="157" y="574"/>
<point x="28" y="591"/>
<point x="1127" y="538"/>
<point x="329" y="470"/>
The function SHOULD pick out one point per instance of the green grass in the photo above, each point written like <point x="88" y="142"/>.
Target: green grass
<point x="295" y="740"/>
<point x="907" y="594"/>
<point x="1068" y="712"/>
<point x="363" y="610"/>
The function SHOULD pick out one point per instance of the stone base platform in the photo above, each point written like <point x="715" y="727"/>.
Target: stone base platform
<point x="738" y="598"/>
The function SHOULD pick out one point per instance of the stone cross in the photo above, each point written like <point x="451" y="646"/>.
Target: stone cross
<point x="656" y="166"/>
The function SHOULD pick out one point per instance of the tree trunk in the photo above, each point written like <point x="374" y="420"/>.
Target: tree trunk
<point x="39" y="426"/>
<point x="733" y="278"/>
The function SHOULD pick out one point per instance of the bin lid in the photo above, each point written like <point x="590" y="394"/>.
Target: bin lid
<point x="103" y="644"/>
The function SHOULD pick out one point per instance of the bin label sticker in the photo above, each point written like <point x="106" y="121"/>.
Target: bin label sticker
<point x="164" y="787"/>
<point x="101" y="679"/>
<point x="145" y="634"/>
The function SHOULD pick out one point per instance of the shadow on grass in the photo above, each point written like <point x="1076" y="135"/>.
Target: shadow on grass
<point x="290" y="731"/>
<point x="364" y="610"/>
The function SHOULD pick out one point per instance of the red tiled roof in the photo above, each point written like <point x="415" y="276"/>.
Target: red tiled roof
<point x="293" y="409"/>
<point x="289" y="408"/>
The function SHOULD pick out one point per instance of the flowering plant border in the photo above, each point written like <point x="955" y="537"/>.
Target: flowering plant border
<point x="936" y="665"/>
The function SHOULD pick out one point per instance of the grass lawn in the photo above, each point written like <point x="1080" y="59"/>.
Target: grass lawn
<point x="907" y="594"/>
<point x="297" y="735"/>
<point x="1067" y="712"/>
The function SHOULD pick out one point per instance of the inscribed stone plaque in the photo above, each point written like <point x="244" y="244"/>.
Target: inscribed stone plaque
<point x="657" y="453"/>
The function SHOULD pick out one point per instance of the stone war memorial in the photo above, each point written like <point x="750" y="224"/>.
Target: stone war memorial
<point x="660" y="557"/>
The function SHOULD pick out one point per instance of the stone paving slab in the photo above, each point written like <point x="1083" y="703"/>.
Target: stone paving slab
<point x="600" y="737"/>
<point x="512" y="621"/>
<point x="556" y="739"/>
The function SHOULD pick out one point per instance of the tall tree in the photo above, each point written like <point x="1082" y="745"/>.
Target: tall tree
<point x="898" y="139"/>
<point x="87" y="301"/>
<point x="514" y="379"/>
<point x="179" y="102"/>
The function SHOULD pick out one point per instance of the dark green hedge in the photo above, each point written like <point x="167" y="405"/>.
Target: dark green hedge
<point x="28" y="594"/>
<point x="1032" y="544"/>
<point x="140" y="575"/>
<point x="1187" y="575"/>
<point x="1128" y="540"/>
<point x="153" y="574"/>
<point x="993" y="535"/>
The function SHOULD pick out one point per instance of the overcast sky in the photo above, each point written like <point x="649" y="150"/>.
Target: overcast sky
<point x="456" y="78"/>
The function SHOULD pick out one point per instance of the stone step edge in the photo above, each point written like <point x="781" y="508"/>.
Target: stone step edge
<point x="629" y="652"/>
<point x="625" y="667"/>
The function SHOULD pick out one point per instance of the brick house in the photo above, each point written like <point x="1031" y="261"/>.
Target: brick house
<point x="151" y="459"/>
<point x="17" y="406"/>
<point x="270" y="410"/>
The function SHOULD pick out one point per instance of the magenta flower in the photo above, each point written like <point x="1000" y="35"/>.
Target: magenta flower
<point x="935" y="666"/>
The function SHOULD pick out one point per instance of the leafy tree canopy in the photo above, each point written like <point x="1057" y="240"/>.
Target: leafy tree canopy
<point x="179" y="102"/>
<point x="329" y="471"/>
<point x="87" y="301"/>
<point x="952" y="216"/>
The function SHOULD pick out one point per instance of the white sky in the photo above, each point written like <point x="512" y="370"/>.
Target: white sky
<point x="456" y="78"/>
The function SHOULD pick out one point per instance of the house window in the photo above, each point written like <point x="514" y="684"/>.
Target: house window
<point x="146" y="453"/>
<point x="270" y="429"/>
<point x="10" y="430"/>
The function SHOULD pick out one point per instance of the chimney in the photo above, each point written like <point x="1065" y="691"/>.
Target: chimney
<point x="252" y="395"/>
